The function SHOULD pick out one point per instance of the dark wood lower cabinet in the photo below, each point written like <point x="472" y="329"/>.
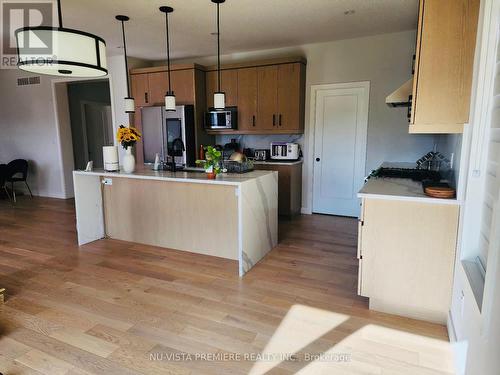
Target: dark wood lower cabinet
<point x="289" y="186"/>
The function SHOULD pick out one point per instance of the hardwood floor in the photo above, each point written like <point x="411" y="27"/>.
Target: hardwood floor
<point x="112" y="307"/>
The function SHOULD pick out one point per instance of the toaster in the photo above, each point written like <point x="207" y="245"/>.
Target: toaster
<point x="285" y="151"/>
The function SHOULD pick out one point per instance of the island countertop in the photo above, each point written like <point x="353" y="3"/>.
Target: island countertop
<point x="231" y="179"/>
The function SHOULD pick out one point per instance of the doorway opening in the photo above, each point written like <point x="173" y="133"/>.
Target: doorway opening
<point x="91" y="122"/>
<point x="85" y="124"/>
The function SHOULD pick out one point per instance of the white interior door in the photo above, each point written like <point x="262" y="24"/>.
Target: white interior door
<point x="341" y="122"/>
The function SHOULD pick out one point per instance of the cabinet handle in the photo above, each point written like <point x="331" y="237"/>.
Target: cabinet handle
<point x="274" y="120"/>
<point x="146" y="97"/>
<point x="279" y="120"/>
<point x="413" y="64"/>
<point x="253" y="120"/>
<point x="410" y="100"/>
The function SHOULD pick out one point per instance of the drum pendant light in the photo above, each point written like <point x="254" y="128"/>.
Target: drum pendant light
<point x="66" y="52"/>
<point x="129" y="101"/>
<point x="219" y="96"/>
<point x="169" y="97"/>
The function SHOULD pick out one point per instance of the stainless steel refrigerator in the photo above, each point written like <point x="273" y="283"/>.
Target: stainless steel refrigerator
<point x="161" y="127"/>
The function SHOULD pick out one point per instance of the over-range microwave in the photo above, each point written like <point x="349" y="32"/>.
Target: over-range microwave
<point x="222" y="119"/>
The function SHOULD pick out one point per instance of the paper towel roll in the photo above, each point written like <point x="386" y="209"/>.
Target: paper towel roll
<point x="110" y="158"/>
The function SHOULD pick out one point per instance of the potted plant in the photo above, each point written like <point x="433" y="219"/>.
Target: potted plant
<point x="128" y="136"/>
<point x="211" y="163"/>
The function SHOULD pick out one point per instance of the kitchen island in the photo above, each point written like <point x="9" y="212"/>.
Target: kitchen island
<point x="233" y="217"/>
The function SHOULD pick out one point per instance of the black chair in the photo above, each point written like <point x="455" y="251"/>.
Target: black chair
<point x="4" y="174"/>
<point x="18" y="172"/>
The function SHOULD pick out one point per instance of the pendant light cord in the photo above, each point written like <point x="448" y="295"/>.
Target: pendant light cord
<point x="59" y="13"/>
<point x="218" y="49"/>
<point x="168" y="55"/>
<point x="126" y="62"/>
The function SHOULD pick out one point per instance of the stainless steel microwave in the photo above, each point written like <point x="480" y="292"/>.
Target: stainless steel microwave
<point x="222" y="119"/>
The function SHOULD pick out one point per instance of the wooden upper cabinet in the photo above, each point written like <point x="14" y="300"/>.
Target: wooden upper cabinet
<point x="267" y="92"/>
<point x="291" y="90"/>
<point x="229" y="85"/>
<point x="140" y="89"/>
<point x="158" y="82"/>
<point x="182" y="86"/>
<point x="446" y="42"/>
<point x="247" y="99"/>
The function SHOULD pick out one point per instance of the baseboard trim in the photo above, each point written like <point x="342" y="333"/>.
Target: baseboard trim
<point x="305" y="211"/>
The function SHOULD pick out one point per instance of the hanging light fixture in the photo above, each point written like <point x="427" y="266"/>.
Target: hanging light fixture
<point x="129" y="101"/>
<point x="219" y="96"/>
<point x="62" y="51"/>
<point x="169" y="97"/>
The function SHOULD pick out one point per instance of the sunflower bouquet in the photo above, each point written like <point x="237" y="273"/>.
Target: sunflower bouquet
<point x="127" y="136"/>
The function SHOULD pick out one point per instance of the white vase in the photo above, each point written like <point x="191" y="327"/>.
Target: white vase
<point x="128" y="161"/>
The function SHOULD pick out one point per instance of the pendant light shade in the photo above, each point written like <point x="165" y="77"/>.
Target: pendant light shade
<point x="169" y="97"/>
<point x="67" y="52"/>
<point x="219" y="96"/>
<point x="219" y="100"/>
<point x="129" y="100"/>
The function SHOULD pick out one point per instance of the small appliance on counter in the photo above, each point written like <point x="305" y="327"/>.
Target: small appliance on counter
<point x="285" y="151"/>
<point x="222" y="119"/>
<point x="110" y="158"/>
<point x="261" y="155"/>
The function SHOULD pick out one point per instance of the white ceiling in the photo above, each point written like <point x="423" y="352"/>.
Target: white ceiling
<point x="245" y="24"/>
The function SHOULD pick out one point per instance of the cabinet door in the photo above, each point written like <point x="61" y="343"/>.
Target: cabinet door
<point x="447" y="35"/>
<point x="267" y="97"/>
<point x="158" y="86"/>
<point x="408" y="253"/>
<point x="289" y="97"/>
<point x="140" y="89"/>
<point x="183" y="86"/>
<point x="229" y="85"/>
<point x="247" y="99"/>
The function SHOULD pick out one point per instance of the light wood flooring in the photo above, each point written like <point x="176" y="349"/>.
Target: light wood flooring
<point x="113" y="307"/>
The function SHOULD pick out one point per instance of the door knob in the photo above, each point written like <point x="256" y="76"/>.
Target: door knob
<point x="318" y="159"/>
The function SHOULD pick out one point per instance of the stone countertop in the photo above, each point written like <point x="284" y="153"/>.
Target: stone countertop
<point x="232" y="179"/>
<point x="277" y="162"/>
<point x="399" y="188"/>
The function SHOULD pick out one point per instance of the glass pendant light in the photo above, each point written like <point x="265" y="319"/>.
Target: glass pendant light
<point x="219" y="96"/>
<point x="67" y="52"/>
<point x="129" y="101"/>
<point x="169" y="97"/>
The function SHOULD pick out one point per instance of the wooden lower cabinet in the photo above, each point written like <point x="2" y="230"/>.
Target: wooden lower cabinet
<point x="406" y="254"/>
<point x="289" y="186"/>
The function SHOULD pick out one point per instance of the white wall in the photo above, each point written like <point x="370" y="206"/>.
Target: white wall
<point x="385" y="61"/>
<point x="34" y="125"/>
<point x="478" y="327"/>
<point x="28" y="131"/>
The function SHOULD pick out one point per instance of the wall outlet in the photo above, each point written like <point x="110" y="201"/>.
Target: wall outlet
<point x="107" y="181"/>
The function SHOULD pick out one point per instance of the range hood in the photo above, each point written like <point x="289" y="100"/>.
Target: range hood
<point x="401" y="97"/>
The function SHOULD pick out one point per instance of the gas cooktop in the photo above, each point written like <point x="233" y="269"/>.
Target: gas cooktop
<point x="413" y="174"/>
